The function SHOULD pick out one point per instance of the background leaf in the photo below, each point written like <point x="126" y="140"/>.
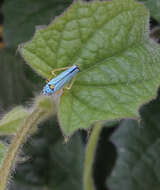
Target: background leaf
<point x="13" y="120"/>
<point x="137" y="166"/>
<point x="21" y="17"/>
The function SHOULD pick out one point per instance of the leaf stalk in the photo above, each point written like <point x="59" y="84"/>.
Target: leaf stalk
<point x="33" y="119"/>
<point x="89" y="157"/>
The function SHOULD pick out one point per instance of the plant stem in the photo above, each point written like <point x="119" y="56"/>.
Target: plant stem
<point x="89" y="157"/>
<point x="18" y="141"/>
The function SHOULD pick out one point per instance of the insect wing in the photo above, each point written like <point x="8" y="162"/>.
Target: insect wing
<point x="66" y="79"/>
<point x="61" y="76"/>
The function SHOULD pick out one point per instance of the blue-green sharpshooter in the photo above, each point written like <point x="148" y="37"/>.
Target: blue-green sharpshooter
<point x="58" y="82"/>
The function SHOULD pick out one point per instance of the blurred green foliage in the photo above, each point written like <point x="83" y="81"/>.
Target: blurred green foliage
<point x="15" y="88"/>
<point x="21" y="17"/>
<point x="138" y="146"/>
<point x="50" y="163"/>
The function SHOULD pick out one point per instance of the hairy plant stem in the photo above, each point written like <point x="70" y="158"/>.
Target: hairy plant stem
<point x="89" y="157"/>
<point x="24" y="131"/>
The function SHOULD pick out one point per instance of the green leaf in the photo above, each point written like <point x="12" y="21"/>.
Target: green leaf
<point x="21" y="16"/>
<point x="138" y="147"/>
<point x="13" y="120"/>
<point x="3" y="150"/>
<point x="119" y="64"/>
<point x="154" y="7"/>
<point x="61" y="164"/>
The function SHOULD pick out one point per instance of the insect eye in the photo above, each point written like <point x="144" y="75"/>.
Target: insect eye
<point x="51" y="86"/>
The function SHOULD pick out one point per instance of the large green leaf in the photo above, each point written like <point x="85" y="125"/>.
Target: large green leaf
<point x="138" y="146"/>
<point x="51" y="163"/>
<point x="119" y="64"/>
<point x="21" y="16"/>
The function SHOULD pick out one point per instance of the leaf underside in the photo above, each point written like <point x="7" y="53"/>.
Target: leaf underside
<point x="119" y="64"/>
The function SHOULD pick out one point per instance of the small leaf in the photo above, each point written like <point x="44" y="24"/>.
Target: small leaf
<point x="138" y="147"/>
<point x="13" y="120"/>
<point x="3" y="151"/>
<point x="119" y="64"/>
<point x="25" y="15"/>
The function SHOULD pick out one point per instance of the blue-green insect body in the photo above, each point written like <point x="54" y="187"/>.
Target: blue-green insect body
<point x="58" y="82"/>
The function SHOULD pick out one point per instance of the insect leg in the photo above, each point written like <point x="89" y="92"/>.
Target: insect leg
<point x="55" y="70"/>
<point x="59" y="69"/>
<point x="71" y="84"/>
